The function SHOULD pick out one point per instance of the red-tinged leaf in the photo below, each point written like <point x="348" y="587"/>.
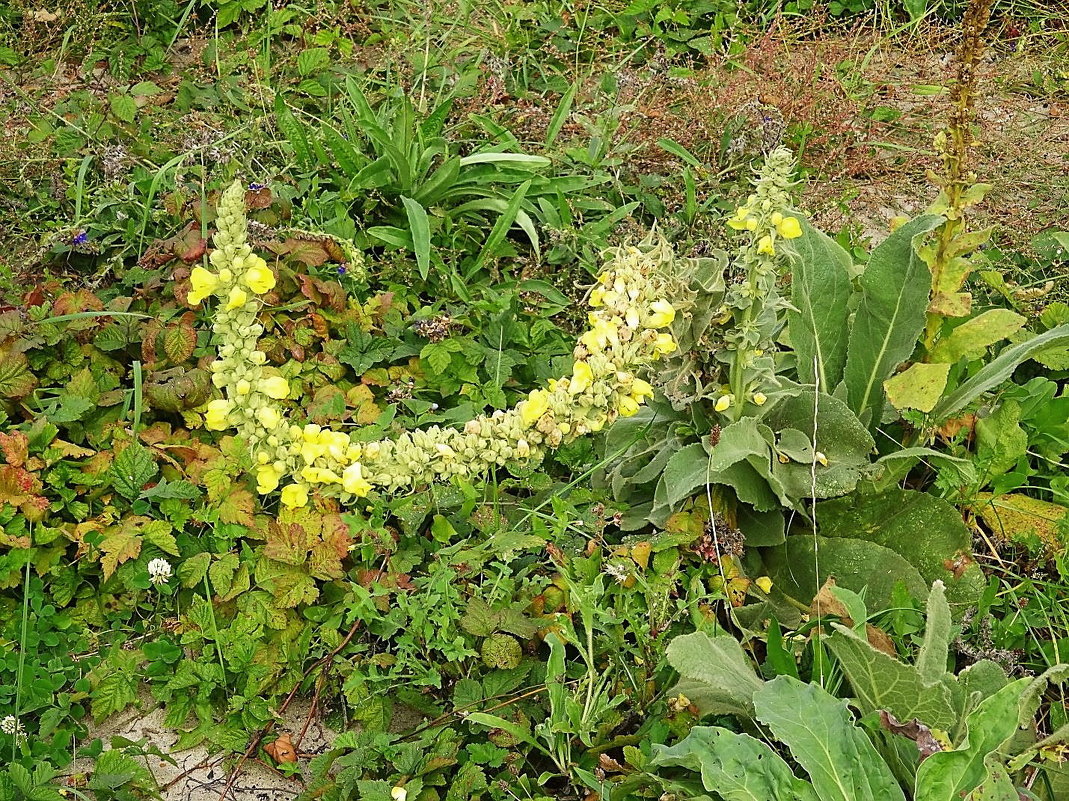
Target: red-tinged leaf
<point x="256" y="199"/>
<point x="308" y="253"/>
<point x="121" y="544"/>
<point x="16" y="448"/>
<point x="237" y="508"/>
<point x="179" y="342"/>
<point x="189" y="246"/>
<point x="328" y="404"/>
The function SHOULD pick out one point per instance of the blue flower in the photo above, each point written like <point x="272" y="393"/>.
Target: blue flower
<point x="255" y="187"/>
<point x="342" y="270"/>
<point x="80" y="238"/>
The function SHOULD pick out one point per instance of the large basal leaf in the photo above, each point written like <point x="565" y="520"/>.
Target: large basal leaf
<point x="952" y="775"/>
<point x="924" y="530"/>
<point x="736" y="766"/>
<point x="820" y="293"/>
<point x="800" y="566"/>
<point x="895" y="288"/>
<point x="715" y="673"/>
<point x="838" y="756"/>
<point x="972" y="338"/>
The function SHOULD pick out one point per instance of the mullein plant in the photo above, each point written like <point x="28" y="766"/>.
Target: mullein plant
<point x="753" y="305"/>
<point x="629" y="318"/>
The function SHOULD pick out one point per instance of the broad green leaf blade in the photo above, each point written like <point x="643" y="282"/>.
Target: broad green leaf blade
<point x="820" y="293"/>
<point x="560" y="116"/>
<point x="998" y="370"/>
<point x="420" y="228"/>
<point x="996" y="784"/>
<point x="736" y="766"/>
<point x="895" y="288"/>
<point x="952" y="775"/>
<point x="715" y="673"/>
<point x="687" y="470"/>
<point x="879" y="681"/>
<point x="838" y="756"/>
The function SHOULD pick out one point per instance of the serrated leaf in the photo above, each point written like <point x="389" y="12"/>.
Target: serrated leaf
<point x="312" y="59"/>
<point x="192" y="571"/>
<point x="123" y="106"/>
<point x="179" y="342"/>
<point x="237" y="507"/>
<point x="222" y="572"/>
<point x="158" y="533"/>
<point x="113" y="694"/>
<point x="120" y="545"/>
<point x="16" y="380"/>
<point x="131" y="470"/>
<point x="437" y="355"/>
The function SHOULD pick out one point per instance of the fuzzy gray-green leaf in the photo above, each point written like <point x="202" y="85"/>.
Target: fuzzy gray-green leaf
<point x="895" y="288"/>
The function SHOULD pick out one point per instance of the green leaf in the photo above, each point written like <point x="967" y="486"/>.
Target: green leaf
<point x="1000" y="440"/>
<point x="918" y="387"/>
<point x="715" y="673"/>
<point x="312" y="59"/>
<point x="131" y="470"/>
<point x="520" y="160"/>
<point x="820" y="320"/>
<point x="895" y="288"/>
<point x="123" y="106"/>
<point x="879" y="681"/>
<point x="158" y="533"/>
<point x="736" y="766"/>
<point x="501" y="226"/>
<point x="935" y="648"/>
<point x="191" y="572"/>
<point x="16" y="380"/>
<point x="420" y="228"/>
<point x="686" y="470"/>
<point x="838" y="756"/>
<point x="295" y="133"/>
<point x="971" y="339"/>
<point x="998" y="370"/>
<point x="437" y="355"/>
<point x="952" y="775"/>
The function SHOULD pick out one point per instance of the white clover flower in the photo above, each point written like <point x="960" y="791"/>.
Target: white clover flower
<point x="12" y="726"/>
<point x="159" y="571"/>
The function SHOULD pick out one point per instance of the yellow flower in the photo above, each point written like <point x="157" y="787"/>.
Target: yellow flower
<point x="765" y="245"/>
<point x="751" y="224"/>
<point x="759" y="398"/>
<point x="641" y="389"/>
<point x="275" y="386"/>
<point x="738" y="222"/>
<point x="259" y="278"/>
<point x="662" y="314"/>
<point x="582" y="378"/>
<point x="821" y="458"/>
<point x="398" y="794"/>
<point x="269" y="417"/>
<point x="765" y="583"/>
<point x="628" y="406"/>
<point x="664" y="344"/>
<point x="202" y="283"/>
<point x="724" y="402"/>
<point x="776" y="218"/>
<point x="789" y="228"/>
<point x="597" y="296"/>
<point x="236" y="299"/>
<point x="217" y="414"/>
<point x="353" y="481"/>
<point x="266" y="479"/>
<point x="294" y="495"/>
<point x="243" y="387"/>
<point x="536" y="405"/>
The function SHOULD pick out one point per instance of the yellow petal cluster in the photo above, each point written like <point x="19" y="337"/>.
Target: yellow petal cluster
<point x="627" y="320"/>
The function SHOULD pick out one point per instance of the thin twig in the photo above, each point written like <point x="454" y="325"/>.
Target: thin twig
<point x="285" y="705"/>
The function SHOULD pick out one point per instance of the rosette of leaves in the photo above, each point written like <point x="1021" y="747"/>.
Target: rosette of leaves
<point x="941" y="736"/>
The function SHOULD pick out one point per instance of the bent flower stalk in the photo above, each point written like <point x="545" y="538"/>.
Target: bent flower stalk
<point x="628" y="314"/>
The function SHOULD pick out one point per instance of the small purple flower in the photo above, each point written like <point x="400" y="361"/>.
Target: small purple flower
<point x="80" y="238"/>
<point x="342" y="270"/>
<point x="255" y="187"/>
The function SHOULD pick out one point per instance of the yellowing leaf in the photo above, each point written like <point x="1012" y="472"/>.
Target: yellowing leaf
<point x="919" y="387"/>
<point x="971" y="339"/>
<point x="640" y="552"/>
<point x="1016" y="518"/>
<point x="121" y="545"/>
